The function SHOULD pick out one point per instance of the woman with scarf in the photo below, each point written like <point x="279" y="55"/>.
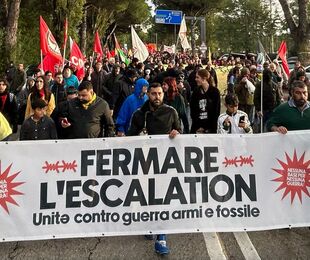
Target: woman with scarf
<point x="42" y="91"/>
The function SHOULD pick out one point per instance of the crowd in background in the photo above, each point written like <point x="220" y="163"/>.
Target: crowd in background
<point x="190" y="86"/>
<point x="167" y="95"/>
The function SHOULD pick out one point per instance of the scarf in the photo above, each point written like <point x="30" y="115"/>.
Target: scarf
<point x="3" y="97"/>
<point x="86" y="105"/>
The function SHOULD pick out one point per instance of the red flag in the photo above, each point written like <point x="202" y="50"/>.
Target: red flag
<point x="109" y="55"/>
<point x="97" y="47"/>
<point x="48" y="43"/>
<point x="77" y="59"/>
<point x="282" y="54"/>
<point x="65" y="32"/>
<point x="51" y="63"/>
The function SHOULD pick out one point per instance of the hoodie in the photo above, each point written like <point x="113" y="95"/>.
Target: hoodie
<point x="130" y="105"/>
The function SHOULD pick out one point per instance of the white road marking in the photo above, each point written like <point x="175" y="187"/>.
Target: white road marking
<point x="214" y="247"/>
<point x="248" y="250"/>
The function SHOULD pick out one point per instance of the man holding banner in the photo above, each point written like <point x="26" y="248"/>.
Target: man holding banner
<point x="156" y="118"/>
<point x="294" y="114"/>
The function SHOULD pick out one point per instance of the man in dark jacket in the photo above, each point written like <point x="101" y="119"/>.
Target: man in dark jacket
<point x="87" y="116"/>
<point x="109" y="84"/>
<point x="58" y="88"/>
<point x="19" y="79"/>
<point x="97" y="78"/>
<point x="122" y="89"/>
<point x="155" y="118"/>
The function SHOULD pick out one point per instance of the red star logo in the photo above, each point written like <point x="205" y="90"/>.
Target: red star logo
<point x="295" y="176"/>
<point x="7" y="188"/>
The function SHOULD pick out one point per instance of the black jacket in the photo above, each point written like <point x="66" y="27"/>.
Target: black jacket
<point x="122" y="89"/>
<point x="97" y="80"/>
<point x="59" y="92"/>
<point x="44" y="129"/>
<point x="109" y="85"/>
<point x="160" y="121"/>
<point x="87" y="123"/>
<point x="205" y="109"/>
<point x="10" y="110"/>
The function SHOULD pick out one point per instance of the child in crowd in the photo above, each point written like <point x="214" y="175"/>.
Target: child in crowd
<point x="38" y="126"/>
<point x="233" y="121"/>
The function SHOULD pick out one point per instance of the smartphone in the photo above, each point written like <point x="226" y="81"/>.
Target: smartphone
<point x="65" y="120"/>
<point x="241" y="119"/>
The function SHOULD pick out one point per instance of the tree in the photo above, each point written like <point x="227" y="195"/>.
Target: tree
<point x="10" y="14"/>
<point x="299" y="28"/>
<point x="239" y="26"/>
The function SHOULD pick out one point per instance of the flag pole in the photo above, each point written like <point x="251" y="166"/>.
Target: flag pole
<point x="176" y="44"/>
<point x="63" y="59"/>
<point x="91" y="65"/>
<point x="41" y="54"/>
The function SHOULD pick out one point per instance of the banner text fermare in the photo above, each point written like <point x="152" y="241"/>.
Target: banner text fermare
<point x="121" y="158"/>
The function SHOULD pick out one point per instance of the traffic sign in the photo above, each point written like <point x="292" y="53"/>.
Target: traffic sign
<point x="168" y="17"/>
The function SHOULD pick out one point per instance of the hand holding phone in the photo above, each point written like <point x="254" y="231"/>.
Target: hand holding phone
<point x="241" y="122"/>
<point x="241" y="119"/>
<point x="65" y="123"/>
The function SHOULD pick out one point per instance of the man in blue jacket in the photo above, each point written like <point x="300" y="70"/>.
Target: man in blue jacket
<point x="130" y="105"/>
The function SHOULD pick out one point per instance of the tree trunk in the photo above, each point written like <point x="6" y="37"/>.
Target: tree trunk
<point x="11" y="29"/>
<point x="300" y="33"/>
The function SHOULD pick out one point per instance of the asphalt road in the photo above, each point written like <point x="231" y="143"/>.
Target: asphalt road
<point x="284" y="244"/>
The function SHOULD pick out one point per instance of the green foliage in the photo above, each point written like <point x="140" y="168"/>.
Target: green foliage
<point x="242" y="23"/>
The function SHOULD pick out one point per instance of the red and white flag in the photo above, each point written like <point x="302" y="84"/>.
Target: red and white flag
<point x="282" y="54"/>
<point x="77" y="59"/>
<point x="48" y="43"/>
<point x="51" y="63"/>
<point x="139" y="49"/>
<point x="97" y="47"/>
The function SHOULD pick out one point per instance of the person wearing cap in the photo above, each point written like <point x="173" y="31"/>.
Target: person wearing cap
<point x="130" y="105"/>
<point x="38" y="126"/>
<point x="122" y="89"/>
<point x="71" y="93"/>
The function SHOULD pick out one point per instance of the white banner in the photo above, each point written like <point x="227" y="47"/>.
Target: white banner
<point x="153" y="184"/>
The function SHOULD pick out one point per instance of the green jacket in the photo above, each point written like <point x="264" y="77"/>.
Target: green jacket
<point x="289" y="116"/>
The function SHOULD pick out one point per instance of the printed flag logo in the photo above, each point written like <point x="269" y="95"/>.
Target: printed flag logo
<point x="295" y="176"/>
<point x="7" y="188"/>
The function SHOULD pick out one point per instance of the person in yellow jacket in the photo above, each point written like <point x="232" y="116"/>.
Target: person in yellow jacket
<point x="40" y="90"/>
<point x="5" y="129"/>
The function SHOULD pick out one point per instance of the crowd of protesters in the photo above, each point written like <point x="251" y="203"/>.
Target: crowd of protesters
<point x="163" y="95"/>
